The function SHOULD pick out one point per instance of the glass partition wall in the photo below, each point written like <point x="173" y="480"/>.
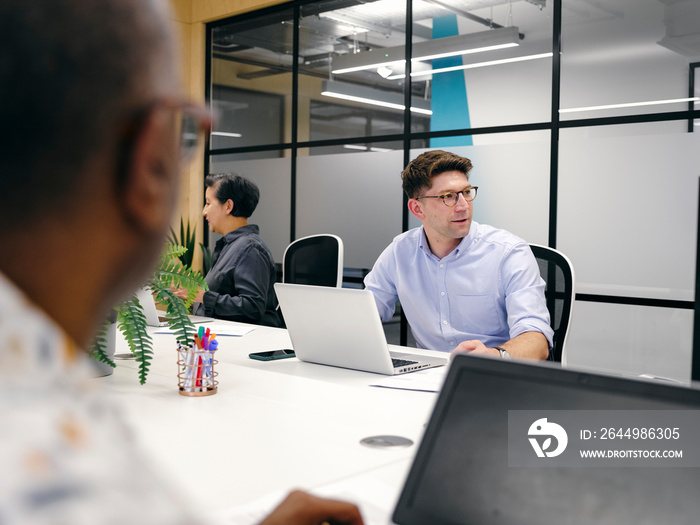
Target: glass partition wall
<point x="579" y="118"/>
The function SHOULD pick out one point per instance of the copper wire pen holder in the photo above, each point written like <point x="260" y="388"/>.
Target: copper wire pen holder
<point x="196" y="374"/>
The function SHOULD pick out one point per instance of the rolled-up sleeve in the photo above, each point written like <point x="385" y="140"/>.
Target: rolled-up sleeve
<point x="524" y="294"/>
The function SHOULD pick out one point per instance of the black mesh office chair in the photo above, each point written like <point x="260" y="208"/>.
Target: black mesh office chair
<point x="315" y="260"/>
<point x="558" y="273"/>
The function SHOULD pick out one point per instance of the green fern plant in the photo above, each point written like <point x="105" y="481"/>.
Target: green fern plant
<point x="131" y="320"/>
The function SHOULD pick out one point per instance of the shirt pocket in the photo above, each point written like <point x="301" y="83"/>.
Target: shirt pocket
<point x="477" y="314"/>
<point x="215" y="280"/>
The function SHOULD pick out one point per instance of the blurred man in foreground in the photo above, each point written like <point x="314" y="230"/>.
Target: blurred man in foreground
<point x="91" y="123"/>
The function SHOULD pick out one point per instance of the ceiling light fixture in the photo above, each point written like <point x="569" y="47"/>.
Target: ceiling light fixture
<point x="472" y="66"/>
<point x="371" y="96"/>
<point x="429" y="50"/>
<point x="630" y="104"/>
<point x="384" y="72"/>
<point x="365" y="148"/>
<point x="352" y="24"/>
<point x="226" y="134"/>
<point x="352" y="29"/>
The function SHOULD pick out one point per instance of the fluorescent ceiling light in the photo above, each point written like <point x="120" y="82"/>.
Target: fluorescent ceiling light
<point x="364" y="148"/>
<point x="429" y="50"/>
<point x="352" y="29"/>
<point x="384" y="71"/>
<point x="630" y="104"/>
<point x="367" y="95"/>
<point x="226" y="134"/>
<point x="472" y="66"/>
<point x="351" y="24"/>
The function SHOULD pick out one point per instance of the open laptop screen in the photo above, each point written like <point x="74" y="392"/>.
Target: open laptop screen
<point x="463" y="473"/>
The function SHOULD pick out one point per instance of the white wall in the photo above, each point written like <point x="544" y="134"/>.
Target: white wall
<point x="513" y="181"/>
<point x="356" y="196"/>
<point x="627" y="220"/>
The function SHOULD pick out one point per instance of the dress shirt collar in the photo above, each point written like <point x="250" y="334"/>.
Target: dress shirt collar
<point x="231" y="236"/>
<point x="424" y="245"/>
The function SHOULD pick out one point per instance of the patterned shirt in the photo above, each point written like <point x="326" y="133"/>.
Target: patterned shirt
<point x="66" y="457"/>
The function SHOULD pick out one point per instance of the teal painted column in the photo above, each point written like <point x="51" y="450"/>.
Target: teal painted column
<point x="448" y="99"/>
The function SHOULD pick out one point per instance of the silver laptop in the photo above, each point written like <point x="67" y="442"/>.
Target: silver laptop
<point x="341" y="327"/>
<point x="155" y="317"/>
<point x="148" y="303"/>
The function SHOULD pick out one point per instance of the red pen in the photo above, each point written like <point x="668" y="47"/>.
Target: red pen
<point x="199" y="371"/>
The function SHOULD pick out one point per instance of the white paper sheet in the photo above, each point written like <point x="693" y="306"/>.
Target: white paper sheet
<point x="429" y="380"/>
<point x="219" y="329"/>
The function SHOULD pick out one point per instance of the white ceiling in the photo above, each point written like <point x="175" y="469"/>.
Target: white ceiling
<point x="594" y="30"/>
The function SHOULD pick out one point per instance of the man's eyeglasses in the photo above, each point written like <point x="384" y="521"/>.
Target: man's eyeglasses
<point x="451" y="199"/>
<point x="192" y="122"/>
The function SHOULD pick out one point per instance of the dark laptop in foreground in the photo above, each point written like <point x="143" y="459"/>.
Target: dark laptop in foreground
<point x="504" y="445"/>
<point x="341" y="327"/>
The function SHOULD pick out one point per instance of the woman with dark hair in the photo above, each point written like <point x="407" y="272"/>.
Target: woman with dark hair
<point x="243" y="272"/>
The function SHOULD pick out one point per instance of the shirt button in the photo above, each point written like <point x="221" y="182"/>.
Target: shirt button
<point x="442" y="265"/>
<point x="442" y="293"/>
<point x="444" y="322"/>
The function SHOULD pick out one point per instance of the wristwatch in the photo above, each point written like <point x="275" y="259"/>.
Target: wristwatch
<point x="504" y="352"/>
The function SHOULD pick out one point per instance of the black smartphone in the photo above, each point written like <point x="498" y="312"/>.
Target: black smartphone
<point x="272" y="355"/>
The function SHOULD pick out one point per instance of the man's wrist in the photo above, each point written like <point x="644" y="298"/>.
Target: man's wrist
<point x="504" y="353"/>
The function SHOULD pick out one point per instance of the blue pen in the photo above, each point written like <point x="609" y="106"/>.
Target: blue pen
<point x="210" y="359"/>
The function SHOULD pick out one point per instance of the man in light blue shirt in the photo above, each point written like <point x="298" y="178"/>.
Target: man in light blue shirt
<point x="463" y="286"/>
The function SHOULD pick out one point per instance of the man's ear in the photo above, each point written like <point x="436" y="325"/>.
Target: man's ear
<point x="229" y="206"/>
<point x="151" y="183"/>
<point x="416" y="209"/>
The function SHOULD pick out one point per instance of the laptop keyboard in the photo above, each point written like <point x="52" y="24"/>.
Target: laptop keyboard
<point x="398" y="363"/>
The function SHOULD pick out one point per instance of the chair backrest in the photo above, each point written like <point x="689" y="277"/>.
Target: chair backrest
<point x="315" y="260"/>
<point x="558" y="274"/>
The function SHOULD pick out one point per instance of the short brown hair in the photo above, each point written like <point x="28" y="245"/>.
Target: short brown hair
<point x="420" y="171"/>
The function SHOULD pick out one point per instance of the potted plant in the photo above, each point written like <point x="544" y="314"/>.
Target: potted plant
<point x="187" y="239"/>
<point x="130" y="318"/>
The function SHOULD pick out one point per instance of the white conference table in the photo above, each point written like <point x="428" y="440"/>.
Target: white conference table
<point x="271" y="427"/>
